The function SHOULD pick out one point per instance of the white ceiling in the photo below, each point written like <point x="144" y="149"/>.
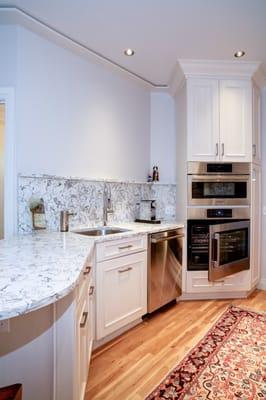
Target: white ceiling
<point x="160" y="31"/>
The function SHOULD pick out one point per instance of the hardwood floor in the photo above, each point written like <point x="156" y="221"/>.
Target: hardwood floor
<point x="131" y="365"/>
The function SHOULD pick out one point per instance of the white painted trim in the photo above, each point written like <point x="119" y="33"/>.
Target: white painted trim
<point x="214" y="295"/>
<point x="7" y="95"/>
<point x="262" y="284"/>
<point x="217" y="69"/>
<point x="259" y="76"/>
<point x="240" y="69"/>
<point x="16" y="15"/>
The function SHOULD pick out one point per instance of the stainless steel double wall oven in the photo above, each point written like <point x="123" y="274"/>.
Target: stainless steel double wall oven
<point x="218" y="227"/>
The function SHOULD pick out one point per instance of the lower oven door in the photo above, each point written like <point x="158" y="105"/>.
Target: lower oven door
<point x="228" y="249"/>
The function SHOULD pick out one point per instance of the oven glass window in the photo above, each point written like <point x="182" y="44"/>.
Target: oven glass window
<point x="222" y="190"/>
<point x="233" y="245"/>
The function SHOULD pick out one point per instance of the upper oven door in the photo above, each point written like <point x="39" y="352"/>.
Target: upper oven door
<point x="218" y="190"/>
<point x="228" y="249"/>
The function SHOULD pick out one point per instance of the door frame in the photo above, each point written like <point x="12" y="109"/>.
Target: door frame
<point x="7" y="96"/>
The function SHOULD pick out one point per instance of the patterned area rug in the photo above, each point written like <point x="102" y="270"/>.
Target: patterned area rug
<point x="228" y="363"/>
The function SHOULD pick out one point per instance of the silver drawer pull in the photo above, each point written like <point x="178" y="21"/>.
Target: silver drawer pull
<point x="124" y="270"/>
<point x="91" y="291"/>
<point x="128" y="246"/>
<point x="84" y="319"/>
<point x="87" y="271"/>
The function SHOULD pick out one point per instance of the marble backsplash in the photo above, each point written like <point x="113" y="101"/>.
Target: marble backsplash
<point x="85" y="199"/>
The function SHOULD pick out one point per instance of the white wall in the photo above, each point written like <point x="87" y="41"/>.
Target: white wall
<point x="263" y="258"/>
<point x="163" y="133"/>
<point x="8" y="66"/>
<point x="74" y="117"/>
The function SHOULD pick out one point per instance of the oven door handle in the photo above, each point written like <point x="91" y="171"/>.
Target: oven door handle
<point x="167" y="238"/>
<point x="215" y="256"/>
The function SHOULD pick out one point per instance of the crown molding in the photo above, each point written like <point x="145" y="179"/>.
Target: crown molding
<point x="15" y="15"/>
<point x="177" y="79"/>
<point x="217" y="69"/>
<point x="259" y="76"/>
<point x="236" y="68"/>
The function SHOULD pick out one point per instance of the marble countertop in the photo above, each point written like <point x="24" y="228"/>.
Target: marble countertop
<point x="38" y="269"/>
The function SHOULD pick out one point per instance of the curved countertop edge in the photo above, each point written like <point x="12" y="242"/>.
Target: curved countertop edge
<point x="44" y="302"/>
<point x="134" y="230"/>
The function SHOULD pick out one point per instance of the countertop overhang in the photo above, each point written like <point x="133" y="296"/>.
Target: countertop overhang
<point x="40" y="268"/>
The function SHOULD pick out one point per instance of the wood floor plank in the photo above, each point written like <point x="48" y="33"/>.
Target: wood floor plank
<point x="130" y="366"/>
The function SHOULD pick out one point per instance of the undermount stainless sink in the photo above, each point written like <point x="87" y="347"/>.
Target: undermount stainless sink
<point x="100" y="231"/>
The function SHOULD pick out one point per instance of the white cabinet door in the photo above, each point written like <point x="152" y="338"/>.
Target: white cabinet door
<point x="255" y="258"/>
<point x="256" y="143"/>
<point x="203" y="119"/>
<point x="121" y="295"/>
<point x="91" y="326"/>
<point x="82" y="338"/>
<point x="235" y="120"/>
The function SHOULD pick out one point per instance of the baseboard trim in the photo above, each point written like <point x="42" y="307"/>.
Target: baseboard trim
<point x="262" y="284"/>
<point x="214" y="296"/>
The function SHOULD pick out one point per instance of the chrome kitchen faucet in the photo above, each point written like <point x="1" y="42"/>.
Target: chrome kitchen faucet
<point x="107" y="204"/>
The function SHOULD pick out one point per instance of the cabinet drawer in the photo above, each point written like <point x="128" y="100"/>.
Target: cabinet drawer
<point x="121" y="247"/>
<point x="197" y="282"/>
<point x="84" y="281"/>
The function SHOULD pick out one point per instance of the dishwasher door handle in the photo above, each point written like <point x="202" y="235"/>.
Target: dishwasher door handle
<point x="167" y="238"/>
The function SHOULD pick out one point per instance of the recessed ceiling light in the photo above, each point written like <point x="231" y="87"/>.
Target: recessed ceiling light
<point x="239" y="53"/>
<point x="129" y="52"/>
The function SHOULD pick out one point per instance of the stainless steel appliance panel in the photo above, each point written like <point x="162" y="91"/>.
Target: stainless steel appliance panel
<point x="214" y="212"/>
<point x="228" y="249"/>
<point x="199" y="168"/>
<point x="165" y="268"/>
<point x="218" y="190"/>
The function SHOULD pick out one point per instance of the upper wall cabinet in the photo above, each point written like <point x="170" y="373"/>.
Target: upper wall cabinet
<point x="203" y="119"/>
<point x="219" y="120"/>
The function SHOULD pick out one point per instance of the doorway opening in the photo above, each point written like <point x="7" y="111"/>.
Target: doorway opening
<point x="8" y="178"/>
<point x="2" y="166"/>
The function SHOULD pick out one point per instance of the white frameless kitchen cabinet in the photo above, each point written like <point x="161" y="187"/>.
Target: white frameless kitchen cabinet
<point x="219" y="120"/>
<point x="203" y="119"/>
<point x="121" y="280"/>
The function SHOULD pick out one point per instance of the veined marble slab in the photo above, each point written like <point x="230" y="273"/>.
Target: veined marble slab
<point x="85" y="198"/>
<point x="40" y="268"/>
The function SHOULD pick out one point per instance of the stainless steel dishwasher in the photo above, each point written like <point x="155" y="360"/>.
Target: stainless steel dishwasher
<point x="164" y="267"/>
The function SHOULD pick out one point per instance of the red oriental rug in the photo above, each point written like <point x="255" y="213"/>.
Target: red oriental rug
<point x="228" y="363"/>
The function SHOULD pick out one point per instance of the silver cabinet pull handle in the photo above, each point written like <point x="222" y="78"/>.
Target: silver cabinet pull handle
<point x="125" y="247"/>
<point x="254" y="150"/>
<point x="84" y="319"/>
<point x="217" y="149"/>
<point x="87" y="271"/>
<point x="222" y="149"/>
<point x="124" y="270"/>
<point x="91" y="291"/>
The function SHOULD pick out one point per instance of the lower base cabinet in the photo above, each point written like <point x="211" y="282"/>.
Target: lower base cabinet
<point x="121" y="296"/>
<point x="197" y="282"/>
